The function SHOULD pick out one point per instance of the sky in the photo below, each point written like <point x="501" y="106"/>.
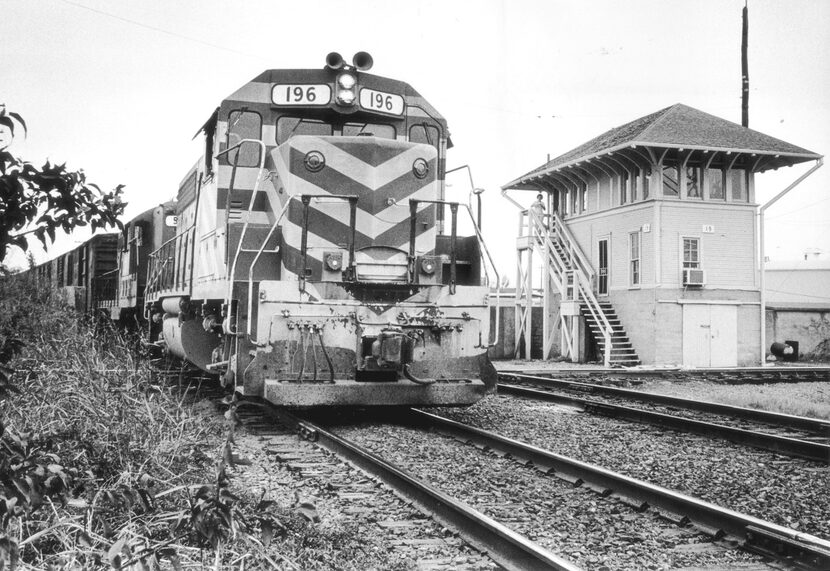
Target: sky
<point x="119" y="88"/>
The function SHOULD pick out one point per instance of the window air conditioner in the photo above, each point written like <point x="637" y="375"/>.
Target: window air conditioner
<point x="693" y="277"/>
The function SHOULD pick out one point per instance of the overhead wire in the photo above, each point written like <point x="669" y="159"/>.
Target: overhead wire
<point x="160" y="30"/>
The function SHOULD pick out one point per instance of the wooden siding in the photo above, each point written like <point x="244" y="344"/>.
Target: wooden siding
<point x="617" y="224"/>
<point x="727" y="254"/>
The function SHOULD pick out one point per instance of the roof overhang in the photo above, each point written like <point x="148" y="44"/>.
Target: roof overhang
<point x="772" y="160"/>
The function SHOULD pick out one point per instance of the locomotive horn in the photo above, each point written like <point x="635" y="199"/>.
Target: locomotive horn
<point x="363" y="61"/>
<point x="334" y="61"/>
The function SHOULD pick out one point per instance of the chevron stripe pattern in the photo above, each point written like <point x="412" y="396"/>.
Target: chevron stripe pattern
<point x="379" y="172"/>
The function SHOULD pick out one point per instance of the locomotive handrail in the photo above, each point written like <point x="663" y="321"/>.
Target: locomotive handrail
<point x="487" y="276"/>
<point x="256" y="259"/>
<point x="306" y="199"/>
<point x="413" y="205"/>
<point x="250" y="205"/>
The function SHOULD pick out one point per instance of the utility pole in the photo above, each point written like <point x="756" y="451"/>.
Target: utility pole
<point x="745" y="67"/>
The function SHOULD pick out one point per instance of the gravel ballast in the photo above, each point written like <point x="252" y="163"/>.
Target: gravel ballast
<point x="592" y="531"/>
<point x="347" y="521"/>
<point x="785" y="491"/>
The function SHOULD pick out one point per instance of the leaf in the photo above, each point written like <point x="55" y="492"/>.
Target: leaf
<point x="114" y="553"/>
<point x="227" y="454"/>
<point x="267" y="532"/>
<point x="308" y="511"/>
<point x="85" y="540"/>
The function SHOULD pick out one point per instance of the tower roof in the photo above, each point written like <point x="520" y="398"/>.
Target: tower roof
<point x="680" y="127"/>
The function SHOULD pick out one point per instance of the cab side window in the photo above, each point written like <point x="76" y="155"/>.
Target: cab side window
<point x="424" y="133"/>
<point x="244" y="125"/>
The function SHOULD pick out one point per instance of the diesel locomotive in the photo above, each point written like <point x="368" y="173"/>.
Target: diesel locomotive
<point x="315" y="260"/>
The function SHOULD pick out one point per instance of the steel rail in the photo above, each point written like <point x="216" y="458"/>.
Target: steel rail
<point x="772" y="442"/>
<point x="786" y="420"/>
<point x="761" y="536"/>
<point x="741" y="374"/>
<point x="508" y="548"/>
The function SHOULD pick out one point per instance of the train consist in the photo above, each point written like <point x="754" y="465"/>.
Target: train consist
<point x="310" y="263"/>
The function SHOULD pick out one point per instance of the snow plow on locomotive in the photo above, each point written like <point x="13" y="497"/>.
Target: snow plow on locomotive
<point x="310" y="264"/>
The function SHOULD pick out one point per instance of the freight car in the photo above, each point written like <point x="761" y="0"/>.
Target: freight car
<point x="311" y="264"/>
<point x="74" y="273"/>
<point x="120" y="292"/>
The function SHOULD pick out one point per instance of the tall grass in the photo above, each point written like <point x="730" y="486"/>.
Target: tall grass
<point x="90" y="439"/>
<point x="104" y="464"/>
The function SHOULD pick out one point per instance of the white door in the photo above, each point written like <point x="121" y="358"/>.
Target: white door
<point x="696" y="336"/>
<point x="710" y="335"/>
<point x="723" y="349"/>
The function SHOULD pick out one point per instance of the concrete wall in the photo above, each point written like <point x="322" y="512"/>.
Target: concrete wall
<point x="504" y="349"/>
<point x="810" y="327"/>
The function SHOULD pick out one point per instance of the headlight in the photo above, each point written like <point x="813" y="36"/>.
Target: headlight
<point x="345" y="97"/>
<point x="346" y="81"/>
<point x="314" y="161"/>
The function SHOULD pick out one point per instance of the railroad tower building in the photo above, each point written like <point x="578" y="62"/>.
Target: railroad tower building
<point x="648" y="237"/>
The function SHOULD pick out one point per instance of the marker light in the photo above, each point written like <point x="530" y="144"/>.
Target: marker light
<point x="428" y="266"/>
<point x="334" y="261"/>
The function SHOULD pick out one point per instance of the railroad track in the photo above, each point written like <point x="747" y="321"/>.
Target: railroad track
<point x="754" y="375"/>
<point x="514" y="550"/>
<point x="785" y="434"/>
<point x="507" y="548"/>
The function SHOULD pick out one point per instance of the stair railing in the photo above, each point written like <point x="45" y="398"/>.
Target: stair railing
<point x="577" y="258"/>
<point x="580" y="268"/>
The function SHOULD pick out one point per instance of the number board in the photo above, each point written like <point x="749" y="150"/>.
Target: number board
<point x="380" y="101"/>
<point x="294" y="94"/>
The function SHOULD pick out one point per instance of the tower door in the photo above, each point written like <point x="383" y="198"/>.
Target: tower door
<point x="602" y="278"/>
<point x="710" y="335"/>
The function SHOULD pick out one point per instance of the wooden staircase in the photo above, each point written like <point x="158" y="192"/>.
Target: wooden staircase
<point x="622" y="351"/>
<point x="574" y="278"/>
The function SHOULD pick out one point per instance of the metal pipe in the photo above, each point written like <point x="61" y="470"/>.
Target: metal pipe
<point x="304" y="240"/>
<point x="413" y="228"/>
<point x="453" y="238"/>
<point x="353" y="228"/>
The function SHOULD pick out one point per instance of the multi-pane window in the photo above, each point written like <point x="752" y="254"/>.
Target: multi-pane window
<point x="623" y="187"/>
<point x="637" y="176"/>
<point x="691" y="253"/>
<point x="716" y="184"/>
<point x="739" y="185"/>
<point x="583" y="192"/>
<point x="634" y="263"/>
<point x="671" y="181"/>
<point x="693" y="189"/>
